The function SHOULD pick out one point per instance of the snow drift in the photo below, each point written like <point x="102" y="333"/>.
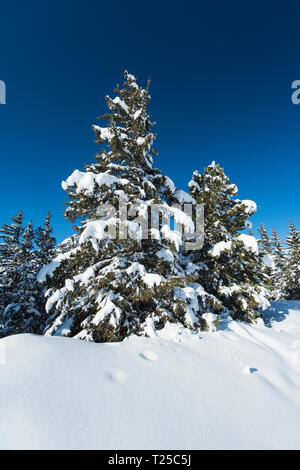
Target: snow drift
<point x="237" y="388"/>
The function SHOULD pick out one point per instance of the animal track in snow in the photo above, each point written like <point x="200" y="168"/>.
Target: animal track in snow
<point x="117" y="376"/>
<point x="249" y="370"/>
<point x="149" y="356"/>
<point x="245" y="369"/>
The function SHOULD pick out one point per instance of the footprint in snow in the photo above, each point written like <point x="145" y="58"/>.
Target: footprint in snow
<point x="117" y="376"/>
<point x="149" y="356"/>
<point x="249" y="370"/>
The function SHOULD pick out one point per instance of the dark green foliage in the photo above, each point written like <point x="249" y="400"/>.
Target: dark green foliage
<point x="45" y="242"/>
<point x="22" y="301"/>
<point x="228" y="268"/>
<point x="291" y="273"/>
<point x="276" y="276"/>
<point x="264" y="242"/>
<point x="105" y="288"/>
<point x="10" y="254"/>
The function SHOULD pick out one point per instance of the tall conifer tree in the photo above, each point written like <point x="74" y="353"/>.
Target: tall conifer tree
<point x="291" y="277"/>
<point x="119" y="275"/>
<point x="279" y="261"/>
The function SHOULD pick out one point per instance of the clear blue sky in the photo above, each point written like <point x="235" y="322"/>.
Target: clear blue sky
<point x="221" y="90"/>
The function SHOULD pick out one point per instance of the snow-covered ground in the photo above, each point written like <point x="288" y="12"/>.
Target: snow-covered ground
<point x="237" y="388"/>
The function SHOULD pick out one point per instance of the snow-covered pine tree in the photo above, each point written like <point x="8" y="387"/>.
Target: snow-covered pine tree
<point x="277" y="250"/>
<point x="23" y="313"/>
<point x="10" y="251"/>
<point x="279" y="261"/>
<point x="229" y="266"/>
<point x="120" y="275"/>
<point x="45" y="241"/>
<point x="264" y="241"/>
<point x="3" y="286"/>
<point x="291" y="275"/>
<point x="265" y="247"/>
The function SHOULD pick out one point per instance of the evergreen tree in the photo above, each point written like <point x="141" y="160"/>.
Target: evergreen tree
<point x="22" y="314"/>
<point x="277" y="250"/>
<point x="291" y="276"/>
<point x="264" y="242"/>
<point x="45" y="241"/>
<point x="27" y="242"/>
<point x="9" y="257"/>
<point x="3" y="287"/>
<point x="229" y="266"/>
<point x="120" y="275"/>
<point x="279" y="260"/>
<point x="269" y="267"/>
<point x="22" y="300"/>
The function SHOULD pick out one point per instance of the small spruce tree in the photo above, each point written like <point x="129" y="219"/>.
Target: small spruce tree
<point x="3" y="283"/>
<point x="279" y="261"/>
<point x="45" y="241"/>
<point x="269" y="267"/>
<point x="10" y="255"/>
<point x="22" y="302"/>
<point x="291" y="274"/>
<point x="264" y="241"/>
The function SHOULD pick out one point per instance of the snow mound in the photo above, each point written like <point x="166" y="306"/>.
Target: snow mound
<point x="85" y="181"/>
<point x="219" y="247"/>
<point x="236" y="388"/>
<point x="269" y="262"/>
<point x="249" y="242"/>
<point x="251" y="206"/>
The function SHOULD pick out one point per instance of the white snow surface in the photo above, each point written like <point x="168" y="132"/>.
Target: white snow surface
<point x="249" y="242"/>
<point x="85" y="181"/>
<point x="235" y="388"/>
<point x="219" y="247"/>
<point x="251" y="206"/>
<point x="183" y="197"/>
<point x="269" y="262"/>
<point x="47" y="270"/>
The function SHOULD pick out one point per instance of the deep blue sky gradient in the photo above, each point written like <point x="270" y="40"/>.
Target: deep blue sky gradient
<point x="221" y="90"/>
